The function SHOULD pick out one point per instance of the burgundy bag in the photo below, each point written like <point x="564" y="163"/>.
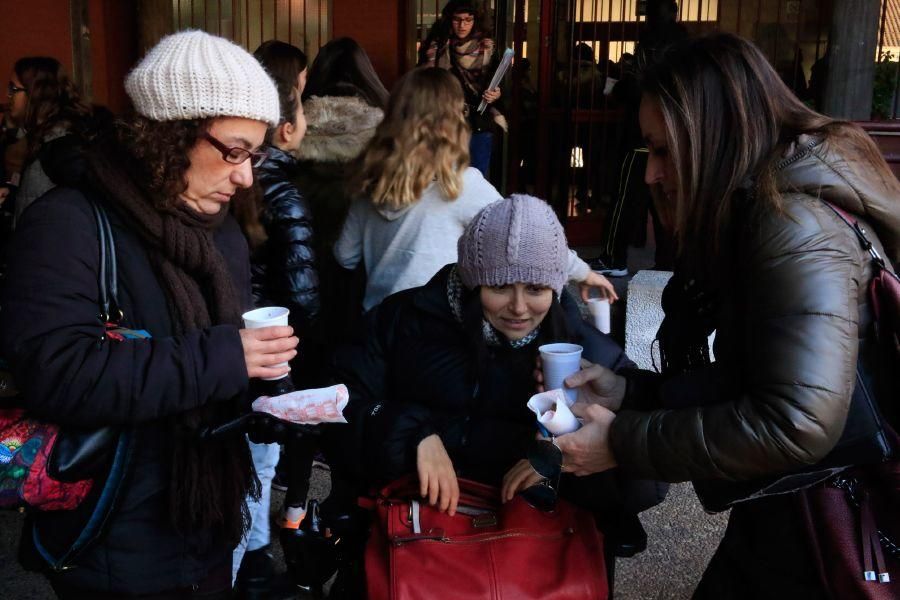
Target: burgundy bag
<point x="853" y="519"/>
<point x="486" y="550"/>
<point x="853" y="524"/>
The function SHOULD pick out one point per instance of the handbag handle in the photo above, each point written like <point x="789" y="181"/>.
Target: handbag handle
<point x="471" y="493"/>
<point x="110" y="312"/>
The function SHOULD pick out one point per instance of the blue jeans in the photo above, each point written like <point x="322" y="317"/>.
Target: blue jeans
<point x="480" y="146"/>
<point x="265" y="459"/>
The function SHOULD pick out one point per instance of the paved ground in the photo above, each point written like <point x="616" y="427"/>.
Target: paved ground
<point x="681" y="536"/>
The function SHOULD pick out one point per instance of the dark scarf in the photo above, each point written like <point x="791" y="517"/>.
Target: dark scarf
<point x="684" y="333"/>
<point x="209" y="479"/>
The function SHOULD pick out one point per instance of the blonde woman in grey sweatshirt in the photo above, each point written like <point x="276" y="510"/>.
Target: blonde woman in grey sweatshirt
<point x="417" y="193"/>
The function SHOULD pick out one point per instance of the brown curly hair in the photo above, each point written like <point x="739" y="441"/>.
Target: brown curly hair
<point x="160" y="148"/>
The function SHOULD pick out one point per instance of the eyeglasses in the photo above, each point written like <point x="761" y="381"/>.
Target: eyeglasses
<point x="236" y="155"/>
<point x="463" y="20"/>
<point x="12" y="89"/>
<point x="545" y="458"/>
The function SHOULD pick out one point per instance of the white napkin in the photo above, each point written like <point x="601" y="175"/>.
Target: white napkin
<point x="553" y="412"/>
<point x="307" y="407"/>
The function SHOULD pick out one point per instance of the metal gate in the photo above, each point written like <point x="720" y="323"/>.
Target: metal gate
<point x="569" y="134"/>
<point x="304" y="23"/>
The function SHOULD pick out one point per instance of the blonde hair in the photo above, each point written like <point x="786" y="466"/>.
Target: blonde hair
<point x="424" y="137"/>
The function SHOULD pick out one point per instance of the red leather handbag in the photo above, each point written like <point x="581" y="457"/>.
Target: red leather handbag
<point x="486" y="550"/>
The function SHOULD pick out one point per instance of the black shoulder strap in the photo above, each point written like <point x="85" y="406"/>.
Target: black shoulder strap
<point x="108" y="280"/>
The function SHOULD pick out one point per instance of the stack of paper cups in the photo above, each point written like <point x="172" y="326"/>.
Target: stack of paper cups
<point x="269" y="316"/>
<point x="599" y="309"/>
<point x="559" y="361"/>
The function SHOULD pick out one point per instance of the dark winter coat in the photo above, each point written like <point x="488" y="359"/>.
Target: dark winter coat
<point x="788" y="329"/>
<point x="284" y="267"/>
<point x="49" y="329"/>
<point x="415" y="374"/>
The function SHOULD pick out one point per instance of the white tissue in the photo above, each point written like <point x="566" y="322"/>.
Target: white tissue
<point x="553" y="412"/>
<point x="307" y="407"/>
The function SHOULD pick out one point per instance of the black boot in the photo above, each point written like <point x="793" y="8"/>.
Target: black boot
<point x="309" y="552"/>
<point x="254" y="579"/>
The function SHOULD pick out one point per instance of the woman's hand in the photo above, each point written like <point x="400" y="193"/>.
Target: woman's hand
<point x="437" y="479"/>
<point x="491" y="96"/>
<point x="587" y="450"/>
<point x="520" y="477"/>
<point x="597" y="385"/>
<point x="266" y="347"/>
<point x="597" y="281"/>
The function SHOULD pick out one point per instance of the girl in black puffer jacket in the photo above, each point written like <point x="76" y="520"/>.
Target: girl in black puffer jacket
<point x="277" y="221"/>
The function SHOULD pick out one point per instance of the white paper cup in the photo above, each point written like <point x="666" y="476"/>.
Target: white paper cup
<point x="268" y="316"/>
<point x="599" y="309"/>
<point x="552" y="411"/>
<point x="560" y="361"/>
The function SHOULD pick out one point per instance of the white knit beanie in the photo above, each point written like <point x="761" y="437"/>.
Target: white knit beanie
<point x="195" y="75"/>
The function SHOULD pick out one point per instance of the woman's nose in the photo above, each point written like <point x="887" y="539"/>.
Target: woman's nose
<point x="654" y="172"/>
<point x="242" y="176"/>
<point x="518" y="306"/>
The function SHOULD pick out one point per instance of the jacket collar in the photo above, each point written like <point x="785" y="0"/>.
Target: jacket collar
<point x="278" y="160"/>
<point x="823" y="168"/>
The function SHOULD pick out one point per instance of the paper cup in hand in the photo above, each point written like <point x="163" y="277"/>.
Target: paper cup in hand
<point x="599" y="309"/>
<point x="268" y="316"/>
<point x="560" y="361"/>
<point x="553" y="412"/>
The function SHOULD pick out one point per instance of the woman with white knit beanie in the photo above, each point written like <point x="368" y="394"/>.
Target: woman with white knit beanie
<point x="162" y="523"/>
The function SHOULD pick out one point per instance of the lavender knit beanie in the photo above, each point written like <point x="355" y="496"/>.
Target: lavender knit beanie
<point x="515" y="240"/>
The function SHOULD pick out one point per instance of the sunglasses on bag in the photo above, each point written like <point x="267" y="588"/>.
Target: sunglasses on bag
<point x="545" y="458"/>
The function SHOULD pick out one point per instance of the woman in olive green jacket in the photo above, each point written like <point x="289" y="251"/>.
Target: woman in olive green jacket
<point x="744" y="168"/>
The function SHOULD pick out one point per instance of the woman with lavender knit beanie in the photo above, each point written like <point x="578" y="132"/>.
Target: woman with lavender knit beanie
<point x="440" y="378"/>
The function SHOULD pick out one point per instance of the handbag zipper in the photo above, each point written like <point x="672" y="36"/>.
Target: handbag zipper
<point x="441" y="538"/>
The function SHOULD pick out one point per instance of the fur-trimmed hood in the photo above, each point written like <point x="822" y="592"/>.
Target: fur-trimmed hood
<point x="338" y="128"/>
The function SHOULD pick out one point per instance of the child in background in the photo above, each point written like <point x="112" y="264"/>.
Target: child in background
<point x="278" y="224"/>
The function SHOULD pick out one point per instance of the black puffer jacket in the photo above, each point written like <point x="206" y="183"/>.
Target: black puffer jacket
<point x="284" y="267"/>
<point x="415" y="374"/>
<point x="49" y="330"/>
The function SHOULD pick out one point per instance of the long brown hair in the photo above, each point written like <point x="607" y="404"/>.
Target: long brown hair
<point x="727" y="114"/>
<point x="424" y="137"/>
<point x="53" y="99"/>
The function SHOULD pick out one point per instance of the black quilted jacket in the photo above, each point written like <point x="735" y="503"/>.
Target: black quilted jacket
<point x="284" y="270"/>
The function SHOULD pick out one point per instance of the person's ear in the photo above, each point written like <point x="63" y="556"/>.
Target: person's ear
<point x="285" y="132"/>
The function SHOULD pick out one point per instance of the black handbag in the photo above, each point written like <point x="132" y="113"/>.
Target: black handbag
<point x="80" y="454"/>
<point x="74" y="455"/>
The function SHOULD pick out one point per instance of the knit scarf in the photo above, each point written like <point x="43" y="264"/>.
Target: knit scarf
<point x="492" y="337"/>
<point x="689" y="320"/>
<point x="209" y="479"/>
